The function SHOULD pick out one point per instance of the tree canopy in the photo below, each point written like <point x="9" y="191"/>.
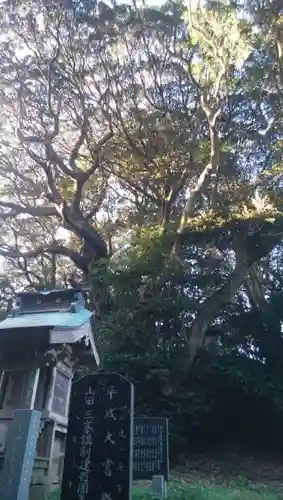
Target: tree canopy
<point x="141" y="155"/>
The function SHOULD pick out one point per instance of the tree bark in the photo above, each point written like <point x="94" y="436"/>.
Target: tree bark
<point x="16" y="209"/>
<point x="209" y="309"/>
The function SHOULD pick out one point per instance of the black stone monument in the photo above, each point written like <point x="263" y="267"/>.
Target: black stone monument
<point x="99" y="447"/>
<point x="151" y="448"/>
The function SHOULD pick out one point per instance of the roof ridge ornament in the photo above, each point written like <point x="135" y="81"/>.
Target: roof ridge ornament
<point x="42" y="301"/>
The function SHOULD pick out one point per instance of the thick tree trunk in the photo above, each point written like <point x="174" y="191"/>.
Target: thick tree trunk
<point x="209" y="309"/>
<point x="94" y="244"/>
<point x="256" y="248"/>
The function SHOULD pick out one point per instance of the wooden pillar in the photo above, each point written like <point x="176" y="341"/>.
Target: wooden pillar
<point x="34" y="389"/>
<point x="52" y="431"/>
<point x="2" y="388"/>
<point x="51" y="390"/>
<point x="68" y="397"/>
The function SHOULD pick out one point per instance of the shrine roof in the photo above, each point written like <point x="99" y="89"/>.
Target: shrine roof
<point x="60" y="320"/>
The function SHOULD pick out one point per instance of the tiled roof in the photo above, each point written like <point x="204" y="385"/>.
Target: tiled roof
<point x="52" y="319"/>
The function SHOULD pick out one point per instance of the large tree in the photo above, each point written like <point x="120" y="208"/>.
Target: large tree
<point x="117" y="119"/>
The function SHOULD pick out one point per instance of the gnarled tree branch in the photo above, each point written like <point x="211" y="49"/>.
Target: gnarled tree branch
<point x="76" y="257"/>
<point x="17" y="209"/>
